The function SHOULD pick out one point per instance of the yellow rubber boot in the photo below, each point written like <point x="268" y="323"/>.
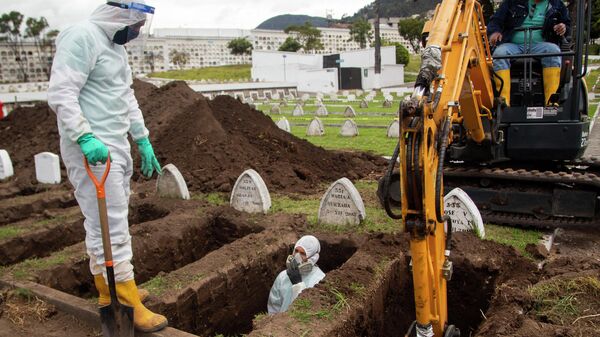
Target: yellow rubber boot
<point x="551" y="81"/>
<point x="143" y="319"/>
<point x="505" y="76"/>
<point x="104" y="294"/>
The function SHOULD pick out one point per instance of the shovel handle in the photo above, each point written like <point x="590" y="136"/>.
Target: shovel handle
<point x="103" y="212"/>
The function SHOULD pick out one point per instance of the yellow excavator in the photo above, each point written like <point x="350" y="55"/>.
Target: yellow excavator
<point x="456" y="125"/>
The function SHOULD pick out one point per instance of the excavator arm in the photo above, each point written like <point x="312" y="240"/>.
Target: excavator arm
<point x="453" y="88"/>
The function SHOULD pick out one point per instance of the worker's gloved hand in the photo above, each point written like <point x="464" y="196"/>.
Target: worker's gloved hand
<point x="149" y="161"/>
<point x="293" y="272"/>
<point x="93" y="149"/>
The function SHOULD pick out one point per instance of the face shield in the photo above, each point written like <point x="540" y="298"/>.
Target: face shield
<point x="139" y="16"/>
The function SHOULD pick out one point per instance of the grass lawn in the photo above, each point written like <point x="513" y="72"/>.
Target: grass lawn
<point x="414" y="64"/>
<point x="374" y="140"/>
<point x="232" y="72"/>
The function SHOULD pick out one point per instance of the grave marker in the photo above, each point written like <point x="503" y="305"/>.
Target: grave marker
<point x="305" y="97"/>
<point x="351" y="97"/>
<point x="463" y="213"/>
<point x="333" y="97"/>
<point x="6" y="167"/>
<point x="359" y="92"/>
<point x="321" y="111"/>
<point x="364" y="104"/>
<point x="250" y="194"/>
<point x="284" y="124"/>
<point x="315" y="128"/>
<point x="283" y="102"/>
<point x="349" y="112"/>
<point x="275" y="110"/>
<point x="298" y="111"/>
<point x="47" y="168"/>
<point x="345" y="93"/>
<point x="170" y="184"/>
<point x="393" y="130"/>
<point x="387" y="104"/>
<point x="320" y="96"/>
<point x="342" y="205"/>
<point x="349" y="129"/>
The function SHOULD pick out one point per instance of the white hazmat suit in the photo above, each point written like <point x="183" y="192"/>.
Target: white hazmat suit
<point x="90" y="91"/>
<point x="283" y="292"/>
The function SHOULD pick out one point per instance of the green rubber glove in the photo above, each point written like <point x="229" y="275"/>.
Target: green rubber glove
<point x="94" y="150"/>
<point x="149" y="161"/>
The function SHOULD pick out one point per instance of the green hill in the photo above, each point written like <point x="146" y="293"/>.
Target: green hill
<point x="397" y="8"/>
<point x="281" y="22"/>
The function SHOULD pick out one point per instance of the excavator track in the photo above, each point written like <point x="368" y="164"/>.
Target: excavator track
<point x="579" y="176"/>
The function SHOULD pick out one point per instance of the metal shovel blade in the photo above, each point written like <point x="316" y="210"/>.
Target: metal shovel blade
<point x="117" y="320"/>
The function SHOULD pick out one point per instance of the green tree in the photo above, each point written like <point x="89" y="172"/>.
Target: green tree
<point x="10" y="32"/>
<point x="290" y="44"/>
<point x="308" y="35"/>
<point x="360" y="32"/>
<point x="179" y="59"/>
<point x="411" y="29"/>
<point x="35" y="29"/>
<point x="402" y="55"/>
<point x="240" y="46"/>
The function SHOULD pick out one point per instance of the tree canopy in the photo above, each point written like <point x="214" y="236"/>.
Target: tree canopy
<point x="411" y="29"/>
<point x="360" y="32"/>
<point x="307" y="35"/>
<point x="290" y="44"/>
<point x="240" y="46"/>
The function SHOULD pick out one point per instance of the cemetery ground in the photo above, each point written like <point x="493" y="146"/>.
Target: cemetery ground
<point x="209" y="267"/>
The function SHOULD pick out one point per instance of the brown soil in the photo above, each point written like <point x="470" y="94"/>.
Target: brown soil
<point x="23" y="316"/>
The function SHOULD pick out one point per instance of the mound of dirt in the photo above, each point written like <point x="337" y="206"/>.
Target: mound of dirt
<point x="25" y="133"/>
<point x="213" y="142"/>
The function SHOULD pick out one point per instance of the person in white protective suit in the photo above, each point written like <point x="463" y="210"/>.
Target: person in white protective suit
<point x="301" y="272"/>
<point x="90" y="92"/>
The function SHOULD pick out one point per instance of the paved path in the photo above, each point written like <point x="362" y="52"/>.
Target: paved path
<point x="593" y="148"/>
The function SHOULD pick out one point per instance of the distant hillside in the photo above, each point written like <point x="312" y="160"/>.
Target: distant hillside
<point x="397" y="8"/>
<point x="281" y="22"/>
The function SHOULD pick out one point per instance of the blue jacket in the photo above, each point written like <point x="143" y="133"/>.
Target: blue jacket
<point x="512" y="13"/>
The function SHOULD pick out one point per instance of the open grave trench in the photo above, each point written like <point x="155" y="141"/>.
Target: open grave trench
<point x="210" y="269"/>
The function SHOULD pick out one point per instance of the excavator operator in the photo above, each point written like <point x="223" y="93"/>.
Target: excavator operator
<point x="508" y="29"/>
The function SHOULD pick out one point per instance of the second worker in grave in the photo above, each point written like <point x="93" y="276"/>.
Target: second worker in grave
<point x="301" y="272"/>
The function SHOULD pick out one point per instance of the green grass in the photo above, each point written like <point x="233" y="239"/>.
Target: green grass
<point x="374" y="140"/>
<point x="591" y="78"/>
<point x="222" y="73"/>
<point x="8" y="232"/>
<point x="564" y="300"/>
<point x="414" y="65"/>
<point x="30" y="267"/>
<point x="518" y="238"/>
<point x="302" y="311"/>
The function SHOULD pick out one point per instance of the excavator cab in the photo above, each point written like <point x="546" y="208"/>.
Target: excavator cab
<point x="532" y="130"/>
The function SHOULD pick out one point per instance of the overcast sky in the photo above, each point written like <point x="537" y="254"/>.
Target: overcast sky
<point x="245" y="14"/>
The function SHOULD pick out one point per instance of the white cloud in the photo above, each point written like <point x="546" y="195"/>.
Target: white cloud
<point x="188" y="13"/>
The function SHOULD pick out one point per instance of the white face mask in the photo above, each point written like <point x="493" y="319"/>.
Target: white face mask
<point x="303" y="267"/>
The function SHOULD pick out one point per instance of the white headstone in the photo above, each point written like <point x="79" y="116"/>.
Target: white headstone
<point x="47" y="168"/>
<point x="249" y="100"/>
<point x="305" y="97"/>
<point x="298" y="111"/>
<point x="389" y="97"/>
<point x="276" y="96"/>
<point x="351" y="97"/>
<point x="250" y="193"/>
<point x="364" y="104"/>
<point x="6" y="167"/>
<point x="463" y="213"/>
<point x="387" y="104"/>
<point x="283" y="102"/>
<point x="345" y="93"/>
<point x="349" y="112"/>
<point x="333" y="97"/>
<point x="275" y="109"/>
<point x="318" y="101"/>
<point x="170" y="184"/>
<point x="320" y="96"/>
<point x="359" y="92"/>
<point x="315" y="128"/>
<point x="291" y="97"/>
<point x="349" y="129"/>
<point x="284" y="124"/>
<point x="321" y="111"/>
<point x="342" y="204"/>
<point x="393" y="130"/>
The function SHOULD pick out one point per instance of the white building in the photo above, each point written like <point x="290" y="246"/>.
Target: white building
<point x="36" y="62"/>
<point x="321" y="73"/>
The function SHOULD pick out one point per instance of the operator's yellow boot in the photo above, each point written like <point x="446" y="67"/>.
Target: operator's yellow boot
<point x="505" y="76"/>
<point x="551" y="81"/>
<point x="143" y="319"/>
<point x="104" y="294"/>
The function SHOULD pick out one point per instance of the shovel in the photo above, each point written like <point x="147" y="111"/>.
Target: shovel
<point x="116" y="318"/>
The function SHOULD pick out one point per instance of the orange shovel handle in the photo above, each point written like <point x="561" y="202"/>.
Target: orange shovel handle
<point x="100" y="192"/>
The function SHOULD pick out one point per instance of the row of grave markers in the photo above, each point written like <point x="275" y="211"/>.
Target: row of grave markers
<point x="340" y="205"/>
<point x="321" y="108"/>
<point x="349" y="128"/>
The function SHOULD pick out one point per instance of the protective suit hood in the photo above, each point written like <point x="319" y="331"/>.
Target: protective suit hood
<point x="311" y="246"/>
<point x="112" y="19"/>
